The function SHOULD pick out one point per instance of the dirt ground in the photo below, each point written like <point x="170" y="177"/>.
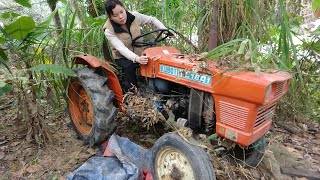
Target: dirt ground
<point x="20" y="159"/>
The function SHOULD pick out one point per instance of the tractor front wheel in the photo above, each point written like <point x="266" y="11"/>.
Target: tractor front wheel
<point x="174" y="158"/>
<point x="91" y="108"/>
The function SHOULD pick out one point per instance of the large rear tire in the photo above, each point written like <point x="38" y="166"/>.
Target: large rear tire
<point x="91" y="108"/>
<point x="174" y="158"/>
<point x="248" y="157"/>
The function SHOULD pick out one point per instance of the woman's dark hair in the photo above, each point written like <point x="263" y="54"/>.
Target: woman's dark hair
<point x="111" y="4"/>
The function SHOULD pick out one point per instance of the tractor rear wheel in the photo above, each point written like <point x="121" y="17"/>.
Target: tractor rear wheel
<point x="91" y="108"/>
<point x="174" y="158"/>
<point x="248" y="157"/>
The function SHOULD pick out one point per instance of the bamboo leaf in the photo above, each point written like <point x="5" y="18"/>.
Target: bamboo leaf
<point x="9" y="14"/>
<point x="315" y="4"/>
<point x="316" y="46"/>
<point x="53" y="68"/>
<point x="5" y="88"/>
<point x="24" y="3"/>
<point x="3" y="55"/>
<point x="243" y="46"/>
<point x="5" y="65"/>
<point x="2" y="40"/>
<point x="3" y="58"/>
<point x="213" y="136"/>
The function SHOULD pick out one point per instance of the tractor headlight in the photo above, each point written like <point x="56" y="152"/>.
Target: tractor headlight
<point x="268" y="92"/>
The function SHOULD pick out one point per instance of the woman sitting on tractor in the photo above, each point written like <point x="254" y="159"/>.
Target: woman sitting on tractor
<point x="120" y="29"/>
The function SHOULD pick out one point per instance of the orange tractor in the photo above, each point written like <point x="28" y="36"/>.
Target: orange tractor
<point x="237" y="106"/>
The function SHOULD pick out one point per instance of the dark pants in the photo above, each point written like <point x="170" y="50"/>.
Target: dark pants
<point x="130" y="72"/>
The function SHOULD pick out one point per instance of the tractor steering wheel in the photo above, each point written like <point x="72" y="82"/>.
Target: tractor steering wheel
<point x="151" y="41"/>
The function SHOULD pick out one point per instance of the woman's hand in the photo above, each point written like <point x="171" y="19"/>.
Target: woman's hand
<point x="170" y="33"/>
<point x="141" y="59"/>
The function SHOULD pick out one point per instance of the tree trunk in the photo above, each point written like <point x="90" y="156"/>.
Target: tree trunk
<point x="53" y="4"/>
<point x="78" y="12"/>
<point x="202" y="31"/>
<point x="213" y="34"/>
<point x="94" y="9"/>
<point x="208" y="35"/>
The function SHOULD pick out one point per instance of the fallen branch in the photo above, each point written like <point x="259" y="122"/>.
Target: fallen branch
<point x="292" y="130"/>
<point x="300" y="172"/>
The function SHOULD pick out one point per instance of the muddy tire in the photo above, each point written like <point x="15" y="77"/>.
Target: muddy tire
<point x="174" y="158"/>
<point x="91" y="108"/>
<point x="248" y="157"/>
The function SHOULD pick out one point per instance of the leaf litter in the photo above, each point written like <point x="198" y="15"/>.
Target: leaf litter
<point x="21" y="159"/>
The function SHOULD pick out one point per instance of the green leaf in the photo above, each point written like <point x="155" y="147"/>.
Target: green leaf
<point x="42" y="28"/>
<point x="9" y="14"/>
<point x="316" y="46"/>
<point x="315" y="4"/>
<point x="243" y="46"/>
<point x="213" y="136"/>
<point x="53" y="68"/>
<point x="2" y="40"/>
<point x="3" y="55"/>
<point x="20" y="28"/>
<point x="3" y="58"/>
<point x="24" y="3"/>
<point x="5" y="88"/>
<point x="5" y="65"/>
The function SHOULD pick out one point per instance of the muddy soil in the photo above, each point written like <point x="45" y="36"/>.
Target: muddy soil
<point x="20" y="159"/>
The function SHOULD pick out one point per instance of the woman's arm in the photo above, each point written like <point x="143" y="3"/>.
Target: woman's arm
<point x="144" y="19"/>
<point x="118" y="44"/>
<point x="127" y="53"/>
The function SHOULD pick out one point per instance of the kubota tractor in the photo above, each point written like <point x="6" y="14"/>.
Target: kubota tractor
<point x="237" y="106"/>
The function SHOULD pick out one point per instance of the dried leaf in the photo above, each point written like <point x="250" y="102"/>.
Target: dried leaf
<point x="34" y="168"/>
<point x="2" y="155"/>
<point x="18" y="173"/>
<point x="91" y="151"/>
<point x="15" y="143"/>
<point x="257" y="69"/>
<point x="316" y="141"/>
<point x="248" y="55"/>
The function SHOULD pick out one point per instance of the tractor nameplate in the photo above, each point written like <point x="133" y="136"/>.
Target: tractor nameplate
<point x="185" y="74"/>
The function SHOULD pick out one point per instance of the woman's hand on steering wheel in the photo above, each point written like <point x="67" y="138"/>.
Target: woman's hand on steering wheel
<point x="169" y="33"/>
<point x="152" y="41"/>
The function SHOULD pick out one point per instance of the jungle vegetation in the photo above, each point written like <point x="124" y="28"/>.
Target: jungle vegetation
<point x="39" y="38"/>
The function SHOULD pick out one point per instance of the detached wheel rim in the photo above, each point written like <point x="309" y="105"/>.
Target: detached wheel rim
<point x="81" y="108"/>
<point x="172" y="164"/>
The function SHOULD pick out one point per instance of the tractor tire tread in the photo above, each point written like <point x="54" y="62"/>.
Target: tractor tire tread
<point x="104" y="111"/>
<point x="198" y="158"/>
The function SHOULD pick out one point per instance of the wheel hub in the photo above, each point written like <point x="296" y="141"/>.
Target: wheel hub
<point x="81" y="108"/>
<point x="85" y="107"/>
<point x="172" y="164"/>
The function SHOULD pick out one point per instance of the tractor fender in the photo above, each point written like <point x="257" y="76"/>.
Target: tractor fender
<point x="113" y="81"/>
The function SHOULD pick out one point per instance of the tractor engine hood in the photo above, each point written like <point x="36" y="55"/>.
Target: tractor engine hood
<point x="167" y="63"/>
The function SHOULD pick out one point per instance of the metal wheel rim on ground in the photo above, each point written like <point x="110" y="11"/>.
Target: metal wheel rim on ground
<point x="171" y="162"/>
